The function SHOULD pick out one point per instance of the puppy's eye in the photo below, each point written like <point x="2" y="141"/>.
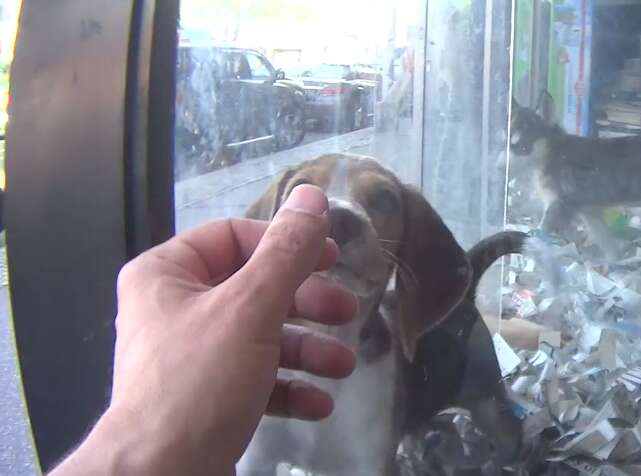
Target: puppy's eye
<point x="383" y="201"/>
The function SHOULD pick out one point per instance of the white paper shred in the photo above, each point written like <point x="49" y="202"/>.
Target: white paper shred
<point x="579" y="394"/>
<point x="508" y="359"/>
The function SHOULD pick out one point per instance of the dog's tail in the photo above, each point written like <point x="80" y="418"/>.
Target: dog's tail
<point x="488" y="250"/>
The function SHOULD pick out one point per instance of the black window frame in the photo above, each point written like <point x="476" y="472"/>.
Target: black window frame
<point x="89" y="186"/>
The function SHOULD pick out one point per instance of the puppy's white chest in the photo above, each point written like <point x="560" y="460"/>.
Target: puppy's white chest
<point x="359" y="438"/>
<point x="361" y="428"/>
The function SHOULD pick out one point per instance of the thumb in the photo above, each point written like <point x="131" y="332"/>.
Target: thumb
<point x="287" y="254"/>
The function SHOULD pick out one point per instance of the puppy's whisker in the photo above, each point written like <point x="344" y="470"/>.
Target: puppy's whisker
<point x="408" y="277"/>
<point x="389" y="255"/>
<point x="405" y="269"/>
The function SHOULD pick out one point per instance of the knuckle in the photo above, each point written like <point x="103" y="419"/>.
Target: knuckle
<point x="287" y="240"/>
<point x="135" y="274"/>
<point x="295" y="235"/>
<point x="128" y="274"/>
<point x="119" y="323"/>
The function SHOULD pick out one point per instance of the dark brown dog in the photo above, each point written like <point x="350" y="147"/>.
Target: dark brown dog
<point x="456" y="366"/>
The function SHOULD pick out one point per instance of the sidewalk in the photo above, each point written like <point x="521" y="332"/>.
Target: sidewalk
<point x="17" y="456"/>
<point x="228" y="192"/>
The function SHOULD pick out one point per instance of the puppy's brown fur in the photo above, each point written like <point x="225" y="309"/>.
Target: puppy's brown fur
<point x="433" y="272"/>
<point x="383" y="228"/>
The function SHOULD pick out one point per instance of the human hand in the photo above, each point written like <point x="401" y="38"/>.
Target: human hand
<point x="201" y="332"/>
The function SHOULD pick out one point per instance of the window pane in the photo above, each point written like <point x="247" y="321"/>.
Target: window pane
<point x="232" y="130"/>
<point x="574" y="175"/>
<point x="510" y="116"/>
<point x="259" y="69"/>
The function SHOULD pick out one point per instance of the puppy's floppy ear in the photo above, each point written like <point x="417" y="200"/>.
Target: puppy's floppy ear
<point x="546" y="108"/>
<point x="266" y="206"/>
<point x="440" y="272"/>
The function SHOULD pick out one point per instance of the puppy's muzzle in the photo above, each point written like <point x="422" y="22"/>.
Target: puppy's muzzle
<point x="345" y="225"/>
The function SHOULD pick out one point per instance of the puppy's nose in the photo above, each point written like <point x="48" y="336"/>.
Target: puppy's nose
<point x="345" y="225"/>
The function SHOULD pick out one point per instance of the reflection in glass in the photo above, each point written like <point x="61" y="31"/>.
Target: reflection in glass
<point x="574" y="175"/>
<point x="520" y="116"/>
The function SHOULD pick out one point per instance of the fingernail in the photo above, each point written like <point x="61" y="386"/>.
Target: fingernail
<point x="308" y="199"/>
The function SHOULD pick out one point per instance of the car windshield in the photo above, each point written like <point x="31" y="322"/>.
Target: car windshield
<point x="323" y="71"/>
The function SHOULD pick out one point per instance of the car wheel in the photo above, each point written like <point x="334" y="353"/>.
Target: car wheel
<point x="212" y="156"/>
<point x="206" y="161"/>
<point x="290" y="127"/>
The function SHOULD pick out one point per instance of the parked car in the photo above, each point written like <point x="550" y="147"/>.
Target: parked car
<point x="228" y="99"/>
<point x="335" y="97"/>
<point x="370" y="72"/>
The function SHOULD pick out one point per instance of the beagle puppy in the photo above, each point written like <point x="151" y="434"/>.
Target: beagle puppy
<point x="384" y="229"/>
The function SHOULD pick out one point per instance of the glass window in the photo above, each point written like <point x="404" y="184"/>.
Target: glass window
<point x="258" y="67"/>
<point x="238" y="65"/>
<point x="326" y="71"/>
<point x="515" y="120"/>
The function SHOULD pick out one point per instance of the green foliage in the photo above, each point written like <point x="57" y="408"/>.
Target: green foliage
<point x="273" y="9"/>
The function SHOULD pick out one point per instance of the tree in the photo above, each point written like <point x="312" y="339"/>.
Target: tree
<point x="209" y="11"/>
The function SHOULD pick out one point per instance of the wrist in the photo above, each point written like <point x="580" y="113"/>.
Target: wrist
<point x="116" y="446"/>
<point x="120" y="444"/>
<point x="108" y="450"/>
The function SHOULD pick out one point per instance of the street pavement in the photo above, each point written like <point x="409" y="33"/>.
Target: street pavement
<point x="228" y="192"/>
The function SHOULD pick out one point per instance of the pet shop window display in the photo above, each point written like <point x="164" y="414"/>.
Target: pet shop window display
<point x="564" y="311"/>
<point x="578" y="382"/>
